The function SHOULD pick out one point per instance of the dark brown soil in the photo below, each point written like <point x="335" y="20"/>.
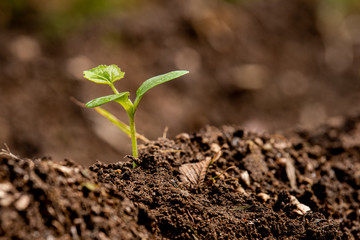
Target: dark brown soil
<point x="304" y="185"/>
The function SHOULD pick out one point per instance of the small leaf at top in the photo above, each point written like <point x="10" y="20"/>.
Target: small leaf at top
<point x="104" y="74"/>
<point x="154" y="81"/>
<point x="121" y="97"/>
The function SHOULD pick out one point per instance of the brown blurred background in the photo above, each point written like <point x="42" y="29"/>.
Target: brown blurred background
<point x="266" y="65"/>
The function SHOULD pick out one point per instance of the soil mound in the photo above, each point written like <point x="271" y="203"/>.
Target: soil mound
<point x="219" y="183"/>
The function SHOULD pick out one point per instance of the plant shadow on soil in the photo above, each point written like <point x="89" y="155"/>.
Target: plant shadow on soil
<point x="303" y="185"/>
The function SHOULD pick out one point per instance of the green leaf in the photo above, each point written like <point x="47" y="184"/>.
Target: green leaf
<point x="154" y="81"/>
<point x="120" y="97"/>
<point x="104" y="74"/>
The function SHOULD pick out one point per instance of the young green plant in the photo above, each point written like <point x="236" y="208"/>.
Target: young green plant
<point x="108" y="74"/>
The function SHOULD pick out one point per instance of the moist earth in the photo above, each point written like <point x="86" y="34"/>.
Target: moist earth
<point x="218" y="183"/>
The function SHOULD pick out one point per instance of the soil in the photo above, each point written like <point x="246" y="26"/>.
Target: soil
<point x="218" y="183"/>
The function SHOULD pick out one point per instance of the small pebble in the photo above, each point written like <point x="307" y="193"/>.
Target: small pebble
<point x="258" y="141"/>
<point x="239" y="189"/>
<point x="301" y="208"/>
<point x="265" y="197"/>
<point x="102" y="236"/>
<point x="267" y="147"/>
<point x="5" y="187"/>
<point x="280" y="145"/>
<point x="127" y="210"/>
<point x="50" y="237"/>
<point x="307" y="180"/>
<point x="63" y="169"/>
<point x="22" y="203"/>
<point x="74" y="233"/>
<point x="6" y="200"/>
<point x="245" y="177"/>
<point x="184" y="193"/>
<point x="215" y="147"/>
<point x="183" y="136"/>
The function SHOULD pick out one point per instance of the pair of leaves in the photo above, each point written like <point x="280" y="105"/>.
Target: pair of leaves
<point x="109" y="74"/>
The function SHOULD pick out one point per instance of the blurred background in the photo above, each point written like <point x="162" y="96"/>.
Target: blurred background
<point x="265" y="65"/>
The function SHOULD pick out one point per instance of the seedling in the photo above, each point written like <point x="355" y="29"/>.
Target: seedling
<point x="104" y="74"/>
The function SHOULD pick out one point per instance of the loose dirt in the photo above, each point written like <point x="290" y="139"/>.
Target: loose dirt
<point x="218" y="183"/>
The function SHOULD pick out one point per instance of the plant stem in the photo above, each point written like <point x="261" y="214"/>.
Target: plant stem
<point x="114" y="89"/>
<point x="130" y="109"/>
<point x="133" y="133"/>
<point x="122" y="126"/>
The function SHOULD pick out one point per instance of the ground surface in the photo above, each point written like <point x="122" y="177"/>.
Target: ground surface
<point x="304" y="185"/>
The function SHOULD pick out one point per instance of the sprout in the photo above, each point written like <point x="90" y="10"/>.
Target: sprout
<point x="104" y="74"/>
